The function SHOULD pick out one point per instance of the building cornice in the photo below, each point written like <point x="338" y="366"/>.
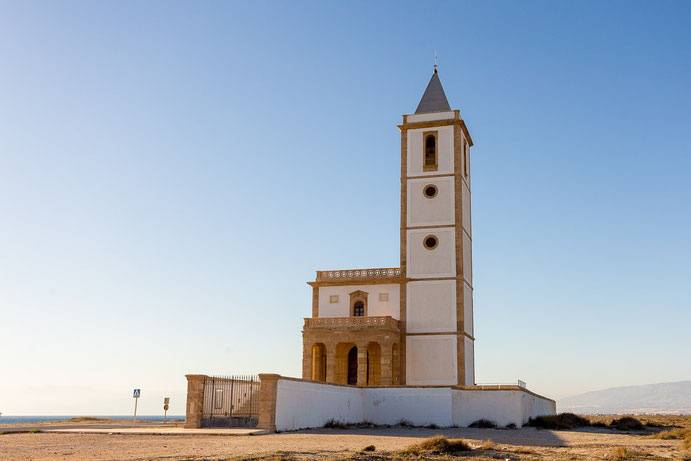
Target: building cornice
<point x="457" y="120"/>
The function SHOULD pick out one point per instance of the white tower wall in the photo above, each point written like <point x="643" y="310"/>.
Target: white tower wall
<point x="437" y="305"/>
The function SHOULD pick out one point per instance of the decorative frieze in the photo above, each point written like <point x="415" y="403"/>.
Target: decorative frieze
<point x="359" y="274"/>
<point x="352" y="323"/>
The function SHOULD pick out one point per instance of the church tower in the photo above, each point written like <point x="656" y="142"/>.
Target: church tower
<point x="436" y="306"/>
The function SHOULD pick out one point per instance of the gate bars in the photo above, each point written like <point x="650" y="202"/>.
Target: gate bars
<point x="231" y="401"/>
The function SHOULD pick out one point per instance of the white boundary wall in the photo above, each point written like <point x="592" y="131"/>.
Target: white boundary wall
<point x="304" y="404"/>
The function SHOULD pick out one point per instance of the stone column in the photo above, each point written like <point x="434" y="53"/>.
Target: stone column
<point x="306" y="359"/>
<point x="330" y="362"/>
<point x="195" y="400"/>
<point x="362" y="364"/>
<point x="386" y="366"/>
<point x="267" y="401"/>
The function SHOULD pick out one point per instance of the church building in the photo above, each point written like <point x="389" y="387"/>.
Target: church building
<point x="412" y="324"/>
<point x="392" y="344"/>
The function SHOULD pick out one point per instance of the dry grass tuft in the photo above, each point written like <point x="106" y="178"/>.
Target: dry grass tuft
<point x="620" y="454"/>
<point x="437" y="445"/>
<point x="672" y="434"/>
<point x="487" y="445"/>
<point x="681" y="433"/>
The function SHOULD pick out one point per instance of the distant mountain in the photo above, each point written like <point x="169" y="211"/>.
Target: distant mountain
<point x="672" y="398"/>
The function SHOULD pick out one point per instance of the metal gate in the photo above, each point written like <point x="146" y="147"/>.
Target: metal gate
<point x="231" y="401"/>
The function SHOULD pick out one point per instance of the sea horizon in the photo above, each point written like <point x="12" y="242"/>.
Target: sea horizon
<point x="14" y="419"/>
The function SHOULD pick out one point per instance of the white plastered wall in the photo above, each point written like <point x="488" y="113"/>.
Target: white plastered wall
<point x="301" y="404"/>
<point x="375" y="307"/>
<point x="444" y="151"/>
<point x="431" y="360"/>
<point x="425" y="263"/>
<point x="435" y="211"/>
<point x="391" y="405"/>
<point x="431" y="306"/>
<point x="304" y="404"/>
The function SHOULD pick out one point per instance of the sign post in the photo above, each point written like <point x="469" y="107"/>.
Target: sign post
<point x="166" y="402"/>
<point x="136" y="394"/>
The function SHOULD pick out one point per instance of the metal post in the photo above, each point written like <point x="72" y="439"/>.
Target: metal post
<point x="134" y="420"/>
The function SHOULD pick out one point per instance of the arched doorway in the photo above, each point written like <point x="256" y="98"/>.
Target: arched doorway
<point x="352" y="366"/>
<point x="318" y="362"/>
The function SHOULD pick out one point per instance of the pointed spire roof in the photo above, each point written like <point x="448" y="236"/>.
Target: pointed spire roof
<point x="434" y="98"/>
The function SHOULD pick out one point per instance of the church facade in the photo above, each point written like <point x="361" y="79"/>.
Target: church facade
<point x="412" y="324"/>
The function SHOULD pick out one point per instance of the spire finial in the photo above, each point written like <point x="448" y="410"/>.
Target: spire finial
<point x="436" y="66"/>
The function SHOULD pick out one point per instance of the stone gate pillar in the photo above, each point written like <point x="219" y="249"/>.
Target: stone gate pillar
<point x="195" y="400"/>
<point x="268" y="389"/>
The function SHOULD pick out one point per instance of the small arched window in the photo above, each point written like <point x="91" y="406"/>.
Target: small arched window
<point x="358" y="303"/>
<point x="430" y="151"/>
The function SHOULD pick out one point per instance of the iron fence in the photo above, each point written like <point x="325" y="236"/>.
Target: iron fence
<point x="231" y="401"/>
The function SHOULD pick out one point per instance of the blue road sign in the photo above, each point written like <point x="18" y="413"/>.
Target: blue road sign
<point x="136" y="394"/>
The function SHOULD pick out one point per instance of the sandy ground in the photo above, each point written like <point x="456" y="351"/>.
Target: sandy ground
<point x="327" y="444"/>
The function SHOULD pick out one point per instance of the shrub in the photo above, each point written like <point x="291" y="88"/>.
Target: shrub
<point x="560" y="421"/>
<point x="365" y="424"/>
<point x="369" y="448"/>
<point x="626" y="423"/>
<point x="484" y="424"/>
<point x="334" y="424"/>
<point x="437" y="445"/>
<point x="672" y="434"/>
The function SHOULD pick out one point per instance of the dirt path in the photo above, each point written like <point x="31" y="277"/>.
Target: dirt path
<point x="524" y="444"/>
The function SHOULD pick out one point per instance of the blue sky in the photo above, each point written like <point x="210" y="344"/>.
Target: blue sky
<point x="172" y="173"/>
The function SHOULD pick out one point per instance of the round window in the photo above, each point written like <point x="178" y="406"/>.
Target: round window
<point x="430" y="191"/>
<point x="431" y="242"/>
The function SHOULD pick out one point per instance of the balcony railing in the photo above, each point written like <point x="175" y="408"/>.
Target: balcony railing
<point x="359" y="274"/>
<point x="352" y="323"/>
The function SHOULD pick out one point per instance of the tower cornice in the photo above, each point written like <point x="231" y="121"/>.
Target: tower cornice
<point x="436" y="123"/>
